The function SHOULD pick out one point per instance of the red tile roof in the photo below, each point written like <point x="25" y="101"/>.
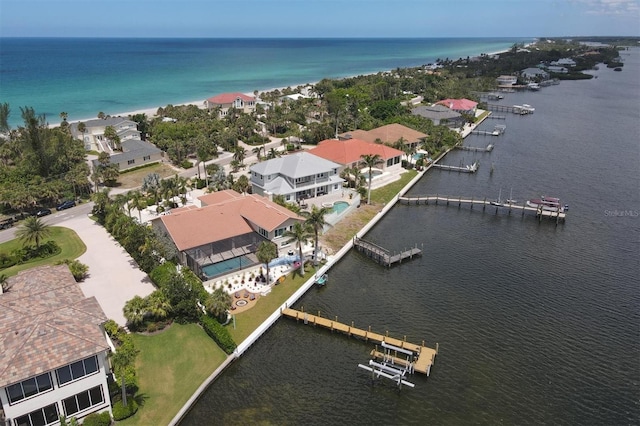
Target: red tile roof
<point x="45" y="323"/>
<point x="458" y="104"/>
<point x="351" y="150"/>
<point x="224" y="214"/>
<point x="227" y="98"/>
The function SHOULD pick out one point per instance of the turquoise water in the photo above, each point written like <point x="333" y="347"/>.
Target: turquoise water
<point x="84" y="76"/>
<point x="221" y="268"/>
<point x="374" y="173"/>
<point x="340" y="206"/>
<point x="417" y="156"/>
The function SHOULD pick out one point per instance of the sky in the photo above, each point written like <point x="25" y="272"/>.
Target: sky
<point x="318" y="18"/>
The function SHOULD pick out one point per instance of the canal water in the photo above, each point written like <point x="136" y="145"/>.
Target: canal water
<point x="537" y="323"/>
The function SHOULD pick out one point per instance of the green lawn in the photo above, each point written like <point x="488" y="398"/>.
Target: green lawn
<point x="171" y="366"/>
<point x="70" y="243"/>
<point x="387" y="192"/>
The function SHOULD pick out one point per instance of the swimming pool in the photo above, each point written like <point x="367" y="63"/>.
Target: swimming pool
<point x="418" y="156"/>
<point x="339" y="206"/>
<point x="221" y="268"/>
<point x="374" y="173"/>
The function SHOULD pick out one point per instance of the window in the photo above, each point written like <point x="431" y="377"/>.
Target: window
<point x="41" y="417"/>
<point x="29" y="387"/>
<point x="390" y="162"/>
<point x="146" y="157"/>
<point x="83" y="400"/>
<point x="131" y="162"/>
<point x="77" y="370"/>
<point x="280" y="231"/>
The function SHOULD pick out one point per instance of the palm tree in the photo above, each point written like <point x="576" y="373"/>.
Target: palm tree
<point x="158" y="305"/>
<point x="218" y="303"/>
<point x="315" y="220"/>
<point x="239" y="155"/>
<point x="299" y="234"/>
<point x="134" y="310"/>
<point x="267" y="251"/>
<point x="370" y="161"/>
<point x="122" y="201"/>
<point x="138" y="202"/>
<point x="33" y="230"/>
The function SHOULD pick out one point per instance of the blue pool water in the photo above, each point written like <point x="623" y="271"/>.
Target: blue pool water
<point x="374" y="173"/>
<point x="340" y="206"/>
<point x="418" y="156"/>
<point x="225" y="266"/>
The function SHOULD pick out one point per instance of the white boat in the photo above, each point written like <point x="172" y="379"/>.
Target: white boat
<point x="533" y="86"/>
<point x="510" y="200"/>
<point x="497" y="202"/>
<point x="550" y="204"/>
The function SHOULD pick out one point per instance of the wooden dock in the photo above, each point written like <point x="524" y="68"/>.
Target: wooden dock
<point x="539" y="212"/>
<point x="382" y="255"/>
<point x="424" y="356"/>
<point x="498" y="130"/>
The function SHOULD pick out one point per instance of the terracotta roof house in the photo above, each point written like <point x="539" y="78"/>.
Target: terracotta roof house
<point x="463" y="106"/>
<point x="389" y="134"/>
<point x="439" y="115"/>
<point x="93" y="137"/>
<point x="296" y="176"/>
<point x="348" y="153"/>
<point x="224" y="234"/>
<point x="53" y="349"/>
<point x="226" y="101"/>
<point x="134" y="153"/>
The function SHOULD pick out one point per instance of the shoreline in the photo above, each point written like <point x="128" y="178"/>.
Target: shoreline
<point x="151" y="111"/>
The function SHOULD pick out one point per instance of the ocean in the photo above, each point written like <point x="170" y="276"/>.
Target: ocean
<point x="536" y="323"/>
<point x="84" y="76"/>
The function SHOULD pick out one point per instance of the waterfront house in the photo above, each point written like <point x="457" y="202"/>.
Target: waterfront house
<point x="53" y="349"/>
<point x="440" y="115"/>
<point x="564" y="62"/>
<point x="348" y="153"/>
<point x="557" y="69"/>
<point x="506" y="80"/>
<point x="225" y="232"/>
<point x="93" y="136"/>
<point x="534" y="74"/>
<point x="389" y="134"/>
<point x="463" y="106"/>
<point x="226" y="101"/>
<point x="296" y="176"/>
<point x="134" y="153"/>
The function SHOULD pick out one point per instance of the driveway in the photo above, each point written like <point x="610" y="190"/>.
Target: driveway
<point x="113" y="277"/>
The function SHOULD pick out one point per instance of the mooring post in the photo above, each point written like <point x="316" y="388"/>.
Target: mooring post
<point x="472" y="203"/>
<point x="436" y="199"/>
<point x="484" y="205"/>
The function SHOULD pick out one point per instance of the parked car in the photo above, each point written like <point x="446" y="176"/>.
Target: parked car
<point x="43" y="212"/>
<point x="6" y="223"/>
<point x="66" y="205"/>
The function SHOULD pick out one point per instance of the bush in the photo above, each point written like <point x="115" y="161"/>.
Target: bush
<point x="218" y="333"/>
<point x="186" y="164"/>
<point x="95" y="419"/>
<point x="78" y="270"/>
<point x="160" y="275"/>
<point x="120" y="412"/>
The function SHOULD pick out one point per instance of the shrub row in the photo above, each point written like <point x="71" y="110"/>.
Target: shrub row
<point x="218" y="333"/>
<point x="95" y="419"/>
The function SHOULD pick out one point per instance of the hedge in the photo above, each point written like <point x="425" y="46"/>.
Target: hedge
<point x="161" y="274"/>
<point x="121" y="412"/>
<point x="95" y="419"/>
<point x="218" y="333"/>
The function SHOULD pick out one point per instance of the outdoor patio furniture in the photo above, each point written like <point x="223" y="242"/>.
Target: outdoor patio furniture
<point x="252" y="297"/>
<point x="237" y="295"/>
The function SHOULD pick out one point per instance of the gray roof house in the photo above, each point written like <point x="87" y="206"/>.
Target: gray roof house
<point x="93" y="137"/>
<point x="297" y="176"/>
<point x="534" y="73"/>
<point x="439" y="114"/>
<point x="135" y="153"/>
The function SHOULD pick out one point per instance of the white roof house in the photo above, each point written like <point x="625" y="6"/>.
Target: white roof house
<point x="93" y="137"/>
<point x="296" y="176"/>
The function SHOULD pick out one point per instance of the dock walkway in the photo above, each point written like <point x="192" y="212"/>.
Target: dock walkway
<point x="381" y="254"/>
<point x="539" y="212"/>
<point x="425" y="356"/>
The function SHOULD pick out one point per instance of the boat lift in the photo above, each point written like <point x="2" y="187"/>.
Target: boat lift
<point x="383" y="370"/>
<point x="392" y="367"/>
